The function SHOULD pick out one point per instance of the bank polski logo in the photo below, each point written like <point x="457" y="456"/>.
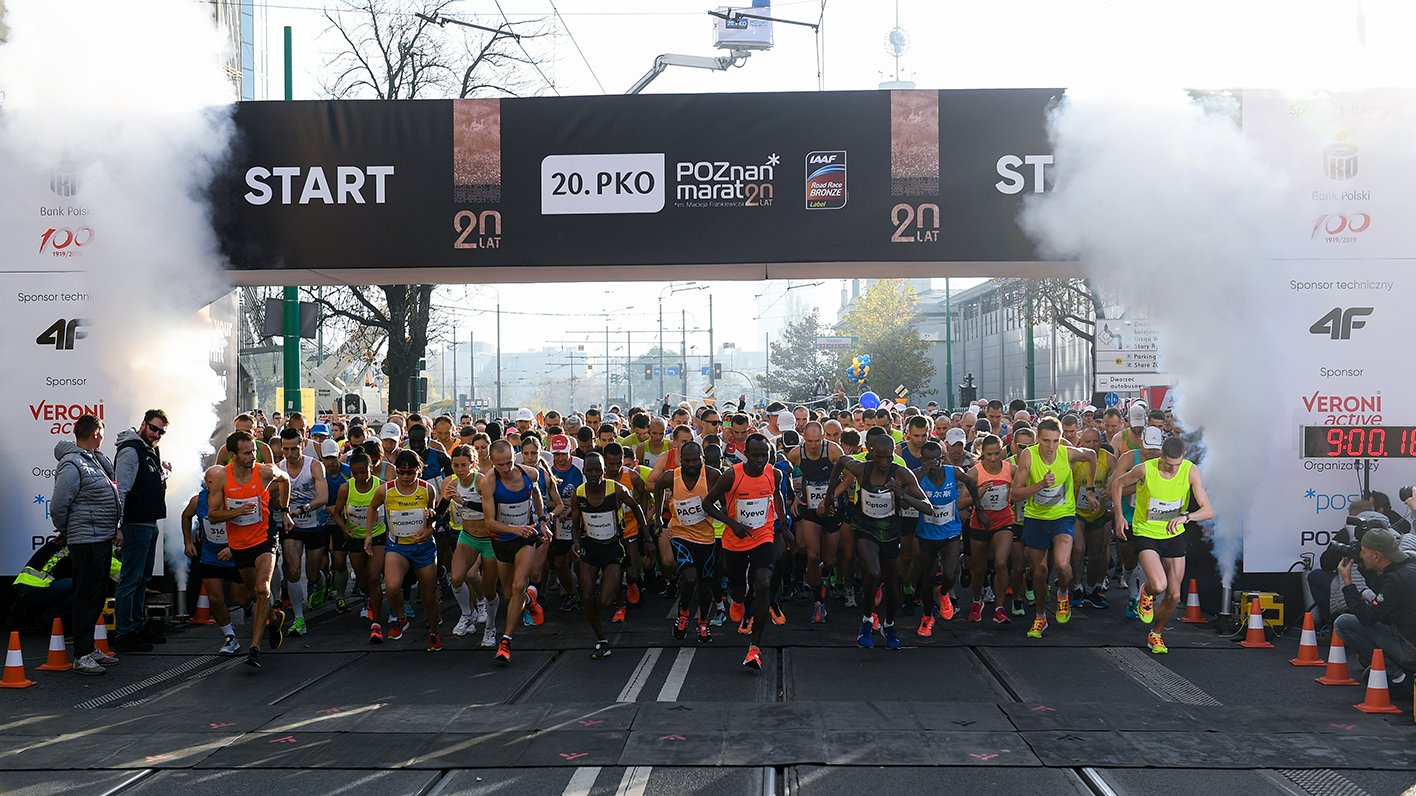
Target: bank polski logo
<point x="64" y="179"/>
<point x="1340" y="159"/>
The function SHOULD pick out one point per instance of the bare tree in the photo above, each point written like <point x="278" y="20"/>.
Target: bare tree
<point x="395" y="51"/>
<point x="1071" y="303"/>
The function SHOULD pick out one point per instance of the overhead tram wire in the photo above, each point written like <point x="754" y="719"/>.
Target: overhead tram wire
<point x="286" y="6"/>
<point x="577" y="47"/>
<point x="529" y="59"/>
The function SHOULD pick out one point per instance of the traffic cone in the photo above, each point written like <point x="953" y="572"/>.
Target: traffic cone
<point x="1337" y="673"/>
<point x="100" y="638"/>
<point x="1254" y="639"/>
<point x="202" y="616"/>
<point x="15" y="665"/>
<point x="58" y="660"/>
<point x="1308" y="645"/>
<point x="1378" y="700"/>
<point x="1192" y="606"/>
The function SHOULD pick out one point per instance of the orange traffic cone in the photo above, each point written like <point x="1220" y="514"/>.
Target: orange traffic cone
<point x="202" y="616"/>
<point x="1192" y="606"/>
<point x="58" y="660"/>
<point x="1308" y="645"/>
<point x="15" y="665"/>
<point x="1254" y="639"/>
<point x="1378" y="700"/>
<point x="1336" y="664"/>
<point x="100" y="638"/>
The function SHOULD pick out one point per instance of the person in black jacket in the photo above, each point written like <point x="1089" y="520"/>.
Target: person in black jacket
<point x="142" y="490"/>
<point x="1388" y="622"/>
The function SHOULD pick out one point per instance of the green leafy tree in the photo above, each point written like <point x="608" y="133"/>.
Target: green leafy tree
<point x="882" y="320"/>
<point x="797" y="363"/>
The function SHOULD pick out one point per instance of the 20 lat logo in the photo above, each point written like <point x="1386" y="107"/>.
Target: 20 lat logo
<point x="1338" y="323"/>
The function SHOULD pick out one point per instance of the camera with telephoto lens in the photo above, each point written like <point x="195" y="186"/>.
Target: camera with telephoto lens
<point x="1404" y="493"/>
<point x="1359" y="526"/>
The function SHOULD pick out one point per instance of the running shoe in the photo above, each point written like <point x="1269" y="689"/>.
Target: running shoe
<point x="503" y="656"/>
<point x="434" y="642"/>
<point x="1145" y="609"/>
<point x="1131" y="609"/>
<point x="298" y="627"/>
<point x="395" y="629"/>
<point x="481" y="616"/>
<point x="631" y="593"/>
<point x="533" y="608"/>
<point x="745" y="627"/>
<point x="365" y="613"/>
<point x="946" y="608"/>
<point x="464" y="625"/>
<point x="569" y="605"/>
<point x="1064" y="609"/>
<point x="753" y="659"/>
<point x="317" y="597"/>
<point x="1029" y="596"/>
<point x="775" y="611"/>
<point x="1018" y="610"/>
<point x="704" y="635"/>
<point x="1156" y="643"/>
<point x="1039" y="624"/>
<point x="719" y="616"/>
<point x="866" y="638"/>
<point x="976" y="611"/>
<point x="341" y="606"/>
<point x="602" y="650"/>
<point x="276" y="626"/>
<point x="681" y="626"/>
<point x="1000" y="616"/>
<point x="489" y="638"/>
<point x="880" y="594"/>
<point x="818" y="612"/>
<point x="875" y="621"/>
<point x="231" y="647"/>
<point x="926" y="627"/>
<point x="375" y="634"/>
<point x="892" y="641"/>
<point x="851" y="600"/>
<point x="253" y="657"/>
<point x="408" y="611"/>
<point x="618" y="615"/>
<point x="988" y="595"/>
<point x="735" y="611"/>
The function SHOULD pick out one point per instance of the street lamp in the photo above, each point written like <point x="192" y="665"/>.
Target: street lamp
<point x="497" y="293"/>
<point x="669" y="290"/>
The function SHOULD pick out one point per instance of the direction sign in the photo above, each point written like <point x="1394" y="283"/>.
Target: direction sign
<point x="1112" y="399"/>
<point x="1127" y="346"/>
<point x="826" y="343"/>
<point x="1131" y="382"/>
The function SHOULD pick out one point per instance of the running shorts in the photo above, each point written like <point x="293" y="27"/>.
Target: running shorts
<point x="1171" y="547"/>
<point x="1038" y="534"/>
<point x="419" y="555"/>
<point x="695" y="555"/>
<point x="603" y="554"/>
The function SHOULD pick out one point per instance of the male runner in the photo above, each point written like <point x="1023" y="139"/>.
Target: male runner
<point x="814" y="526"/>
<point x="569" y="475"/>
<point x="632" y="480"/>
<point x="1131" y="572"/>
<point x="305" y="540"/>
<point x="691" y="535"/>
<point x="1093" y="530"/>
<point x="246" y="488"/>
<point x="1164" y="487"/>
<point x="214" y="566"/>
<point x="940" y="530"/>
<point x="597" y="512"/>
<point x="336" y="475"/>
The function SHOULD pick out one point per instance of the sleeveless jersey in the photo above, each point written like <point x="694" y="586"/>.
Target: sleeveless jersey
<point x="1058" y="500"/>
<point x="461" y="514"/>
<point x="994" y="511"/>
<point x="514" y="507"/>
<point x="406" y="515"/>
<point x="356" y="510"/>
<point x="750" y="502"/>
<point x="1090" y="505"/>
<point x="943" y="522"/>
<point x="688" y="520"/>
<point x="1160" y="500"/>
<point x="302" y="491"/>
<point x="247" y="530"/>
<point x="601" y="523"/>
<point x="567" y="482"/>
<point x="212" y="534"/>
<point x="815" y="478"/>
<point x="876" y="513"/>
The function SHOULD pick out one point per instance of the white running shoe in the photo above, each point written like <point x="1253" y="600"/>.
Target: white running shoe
<point x="463" y="625"/>
<point x="231" y="647"/>
<point x="481" y="615"/>
<point x="489" y="637"/>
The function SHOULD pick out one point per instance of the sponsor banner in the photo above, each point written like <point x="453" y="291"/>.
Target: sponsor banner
<point x="632" y="180"/>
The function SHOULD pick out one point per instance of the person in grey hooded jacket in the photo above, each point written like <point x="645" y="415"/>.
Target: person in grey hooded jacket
<point x="85" y="510"/>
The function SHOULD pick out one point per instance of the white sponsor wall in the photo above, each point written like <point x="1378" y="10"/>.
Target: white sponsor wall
<point x="1338" y="296"/>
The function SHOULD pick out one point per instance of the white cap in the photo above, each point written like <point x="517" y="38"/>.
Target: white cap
<point x="1152" y="438"/>
<point x="329" y="448"/>
<point x="1136" y="415"/>
<point x="525" y="414"/>
<point x="954" y="436"/>
<point x="786" y="421"/>
<point x="612" y="418"/>
<point x="391" y="431"/>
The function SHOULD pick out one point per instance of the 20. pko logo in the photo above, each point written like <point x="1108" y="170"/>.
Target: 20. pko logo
<point x="1331" y="501"/>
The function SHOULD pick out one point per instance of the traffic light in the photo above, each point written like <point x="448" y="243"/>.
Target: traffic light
<point x="422" y="365"/>
<point x="422" y="391"/>
<point x="648" y="372"/>
<point x="717" y="370"/>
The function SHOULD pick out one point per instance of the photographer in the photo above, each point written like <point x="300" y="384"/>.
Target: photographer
<point x="1382" y="503"/>
<point x="1323" y="581"/>
<point x="1388" y="622"/>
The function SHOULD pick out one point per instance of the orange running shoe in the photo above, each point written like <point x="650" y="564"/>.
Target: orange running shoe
<point x="632" y="593"/>
<point x="926" y="627"/>
<point x="753" y="659"/>
<point x="619" y="615"/>
<point x="735" y="611"/>
<point x="681" y="625"/>
<point x="946" y="608"/>
<point x="775" y="611"/>
<point x="538" y="615"/>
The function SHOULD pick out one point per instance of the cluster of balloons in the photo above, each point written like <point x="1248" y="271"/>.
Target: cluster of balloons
<point x="859" y="370"/>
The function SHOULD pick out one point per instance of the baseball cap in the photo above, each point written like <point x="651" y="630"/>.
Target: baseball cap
<point x="954" y="436"/>
<point x="560" y="443"/>
<point x="319" y="428"/>
<point x="612" y="418"/>
<point x="1384" y="541"/>
<point x="524" y="414"/>
<point x="1088" y="409"/>
<point x="786" y="421"/>
<point x="390" y="431"/>
<point x="1136" y="415"/>
<point x="329" y="448"/>
<point x="1152" y="438"/>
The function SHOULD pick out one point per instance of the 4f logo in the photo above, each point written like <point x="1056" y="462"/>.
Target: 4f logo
<point x="1339" y="323"/>
<point x="62" y="334"/>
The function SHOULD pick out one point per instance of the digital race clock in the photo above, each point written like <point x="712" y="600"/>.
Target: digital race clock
<point x="1359" y="442"/>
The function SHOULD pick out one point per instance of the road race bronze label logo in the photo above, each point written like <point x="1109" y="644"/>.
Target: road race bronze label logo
<point x="826" y="180"/>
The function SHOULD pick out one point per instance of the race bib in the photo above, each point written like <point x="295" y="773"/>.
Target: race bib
<point x="514" y="513"/>
<point x="406" y="524"/>
<point x="877" y="505"/>
<point x="1084" y="500"/>
<point x="600" y="525"/>
<point x="357" y="516"/>
<point x="909" y="512"/>
<point x="753" y="513"/>
<point x="214" y="532"/>
<point x="994" y="498"/>
<point x="305" y="522"/>
<point x="942" y="515"/>
<point x="1051" y="496"/>
<point x="1163" y="510"/>
<point x="254" y="518"/>
<point x="469" y="509"/>
<point x="690" y="511"/>
<point x="815" y="494"/>
<point x="564" y="532"/>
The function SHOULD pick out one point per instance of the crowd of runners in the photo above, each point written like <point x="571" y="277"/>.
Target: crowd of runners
<point x="889" y="513"/>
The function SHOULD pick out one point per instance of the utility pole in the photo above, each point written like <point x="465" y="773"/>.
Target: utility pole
<point x="661" y="345"/>
<point x="472" y="367"/>
<point x="683" y="350"/>
<point x="1032" y="386"/>
<point x="712" y="352"/>
<point x="606" y="408"/>
<point x="948" y="343"/>
<point x="456" y="404"/>
<point x="628" y="377"/>
<point x="767" y="346"/>
<point x="499" y="403"/>
<point x="291" y="302"/>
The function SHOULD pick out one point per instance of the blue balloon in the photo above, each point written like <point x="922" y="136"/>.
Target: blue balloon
<point x="869" y="400"/>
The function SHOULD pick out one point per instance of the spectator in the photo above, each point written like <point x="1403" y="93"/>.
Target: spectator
<point x="142" y="492"/>
<point x="1389" y="622"/>
<point x="85" y="509"/>
<point x="1382" y="502"/>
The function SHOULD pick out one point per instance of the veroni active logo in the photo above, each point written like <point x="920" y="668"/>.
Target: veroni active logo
<point x="1339" y="322"/>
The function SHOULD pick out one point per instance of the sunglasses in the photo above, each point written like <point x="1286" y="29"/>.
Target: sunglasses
<point x="156" y="430"/>
<point x="406" y="471"/>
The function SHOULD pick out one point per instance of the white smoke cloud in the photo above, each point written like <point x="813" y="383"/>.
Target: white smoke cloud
<point x="133" y="95"/>
<point x="1167" y="209"/>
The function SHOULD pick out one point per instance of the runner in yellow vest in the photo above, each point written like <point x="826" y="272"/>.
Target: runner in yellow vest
<point x="1164" y="489"/>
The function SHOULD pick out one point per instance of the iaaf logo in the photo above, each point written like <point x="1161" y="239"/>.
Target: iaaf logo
<point x="1344" y="410"/>
<point x="1340" y="227"/>
<point x="65" y="242"/>
<point x="61" y="417"/>
<point x="1340" y="159"/>
<point x="1330" y="501"/>
<point x="1339" y="322"/>
<point x="826" y="180"/>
